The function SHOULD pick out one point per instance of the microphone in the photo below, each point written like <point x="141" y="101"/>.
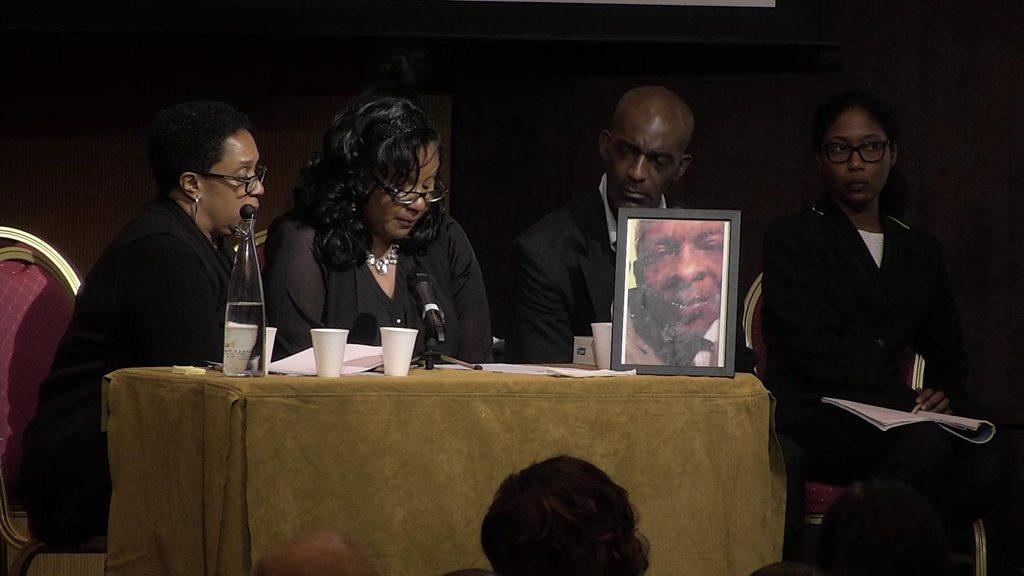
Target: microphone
<point x="423" y="286"/>
<point x="248" y="215"/>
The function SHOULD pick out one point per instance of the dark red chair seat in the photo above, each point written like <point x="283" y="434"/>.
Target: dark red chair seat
<point x="818" y="497"/>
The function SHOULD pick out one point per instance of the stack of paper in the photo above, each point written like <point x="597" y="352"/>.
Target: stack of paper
<point x="358" y="358"/>
<point x="977" y="431"/>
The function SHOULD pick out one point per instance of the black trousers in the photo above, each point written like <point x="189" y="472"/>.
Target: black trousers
<point x="793" y="454"/>
<point x="962" y="480"/>
<point x="65" y="477"/>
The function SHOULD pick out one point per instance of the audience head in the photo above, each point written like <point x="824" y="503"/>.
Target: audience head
<point x="321" y="554"/>
<point x="203" y="155"/>
<point x="374" y="182"/>
<point x="882" y="528"/>
<point x="789" y="569"/>
<point x="563" y="517"/>
<point x="868" y="176"/>
<point x="645" y="148"/>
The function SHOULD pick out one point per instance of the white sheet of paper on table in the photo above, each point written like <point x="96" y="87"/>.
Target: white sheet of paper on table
<point x="358" y="358"/>
<point x="535" y="370"/>
<point x="584" y="373"/>
<point x="501" y="368"/>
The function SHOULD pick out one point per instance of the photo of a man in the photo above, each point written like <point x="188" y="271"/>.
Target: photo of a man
<point x="675" y="306"/>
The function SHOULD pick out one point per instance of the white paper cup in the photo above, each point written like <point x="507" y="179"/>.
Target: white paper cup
<point x="602" y="344"/>
<point x="329" y="350"/>
<point x="268" y="344"/>
<point x="398" y="344"/>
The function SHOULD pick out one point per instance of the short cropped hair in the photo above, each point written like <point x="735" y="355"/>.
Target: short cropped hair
<point x="189" y="137"/>
<point x="563" y="517"/>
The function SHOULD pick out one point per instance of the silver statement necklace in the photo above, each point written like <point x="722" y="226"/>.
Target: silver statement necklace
<point x="385" y="262"/>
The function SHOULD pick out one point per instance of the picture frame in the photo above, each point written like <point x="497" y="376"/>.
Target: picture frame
<point x="676" y="282"/>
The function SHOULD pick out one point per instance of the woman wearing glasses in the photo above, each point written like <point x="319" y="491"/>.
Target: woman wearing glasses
<point x="156" y="297"/>
<point x="368" y="214"/>
<point x="851" y="292"/>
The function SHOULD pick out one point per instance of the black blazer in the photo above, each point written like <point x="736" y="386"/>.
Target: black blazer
<point x="835" y="324"/>
<point x="155" y="297"/>
<point x="564" y="279"/>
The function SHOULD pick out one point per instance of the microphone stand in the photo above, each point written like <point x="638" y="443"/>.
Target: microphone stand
<point x="431" y="354"/>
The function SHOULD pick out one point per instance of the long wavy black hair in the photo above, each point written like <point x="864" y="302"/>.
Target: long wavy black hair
<point x="895" y="195"/>
<point x="375" y="135"/>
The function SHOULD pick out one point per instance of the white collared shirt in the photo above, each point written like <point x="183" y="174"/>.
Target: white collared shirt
<point x="703" y="358"/>
<point x="613" y="227"/>
<point x="875" y="241"/>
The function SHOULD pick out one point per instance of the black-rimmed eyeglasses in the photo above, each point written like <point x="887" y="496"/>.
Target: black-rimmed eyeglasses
<point x="408" y="197"/>
<point x="840" y="152"/>
<point x="249" y="181"/>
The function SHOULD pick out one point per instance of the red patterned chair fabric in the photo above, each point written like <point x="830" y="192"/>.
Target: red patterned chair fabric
<point x="34" y="310"/>
<point x="819" y="497"/>
<point x="37" y="297"/>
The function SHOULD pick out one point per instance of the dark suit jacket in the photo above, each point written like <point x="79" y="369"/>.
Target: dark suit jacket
<point x="564" y="280"/>
<point x="155" y="298"/>
<point x="835" y="324"/>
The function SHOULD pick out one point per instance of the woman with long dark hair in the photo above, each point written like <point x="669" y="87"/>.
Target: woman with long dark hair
<point x="369" y="213"/>
<point x="851" y="291"/>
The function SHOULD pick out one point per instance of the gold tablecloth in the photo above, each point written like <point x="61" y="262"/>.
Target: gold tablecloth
<point x="210" y="472"/>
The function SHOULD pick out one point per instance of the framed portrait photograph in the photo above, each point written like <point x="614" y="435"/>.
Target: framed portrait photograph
<point x="676" y="276"/>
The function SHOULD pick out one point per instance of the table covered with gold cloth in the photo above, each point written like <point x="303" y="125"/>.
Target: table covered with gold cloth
<point x="210" y="472"/>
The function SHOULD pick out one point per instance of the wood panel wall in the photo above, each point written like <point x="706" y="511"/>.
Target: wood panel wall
<point x="524" y="118"/>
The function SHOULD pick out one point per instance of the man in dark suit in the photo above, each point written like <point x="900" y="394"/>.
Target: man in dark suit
<point x="565" y="263"/>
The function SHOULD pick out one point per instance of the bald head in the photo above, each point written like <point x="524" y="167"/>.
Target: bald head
<point x="656" y="108"/>
<point x="321" y="554"/>
<point x="645" y="148"/>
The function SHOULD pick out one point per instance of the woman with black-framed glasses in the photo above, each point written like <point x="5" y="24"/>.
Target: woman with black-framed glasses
<point x="156" y="297"/>
<point x="368" y="213"/>
<point x="851" y="293"/>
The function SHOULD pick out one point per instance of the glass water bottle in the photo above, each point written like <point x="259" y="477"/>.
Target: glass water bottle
<point x="245" y="323"/>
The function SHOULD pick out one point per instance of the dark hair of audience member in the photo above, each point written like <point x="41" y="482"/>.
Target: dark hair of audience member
<point x="563" y="517"/>
<point x="189" y="137"/>
<point x="883" y="528"/>
<point x="789" y="569"/>
<point x="895" y="195"/>
<point x="374" y="137"/>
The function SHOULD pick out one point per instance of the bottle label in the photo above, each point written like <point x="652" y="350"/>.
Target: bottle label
<point x="239" y="340"/>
